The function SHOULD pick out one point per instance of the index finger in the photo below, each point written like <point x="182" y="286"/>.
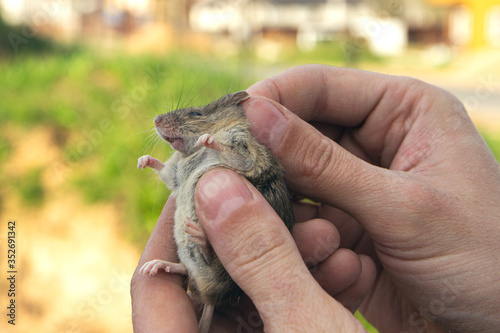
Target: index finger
<point x="160" y="303"/>
<point x="339" y="96"/>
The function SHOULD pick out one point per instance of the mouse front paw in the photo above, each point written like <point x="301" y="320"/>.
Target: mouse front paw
<point x="148" y="161"/>
<point x="152" y="267"/>
<point x="208" y="141"/>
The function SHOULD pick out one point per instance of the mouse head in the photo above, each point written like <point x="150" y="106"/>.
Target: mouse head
<point x="182" y="128"/>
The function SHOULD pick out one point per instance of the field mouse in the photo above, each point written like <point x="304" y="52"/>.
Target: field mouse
<point x="206" y="137"/>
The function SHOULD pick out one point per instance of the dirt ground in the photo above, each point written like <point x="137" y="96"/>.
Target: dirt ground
<point x="72" y="260"/>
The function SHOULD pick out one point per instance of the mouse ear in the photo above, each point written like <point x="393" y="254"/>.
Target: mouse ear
<point x="239" y="97"/>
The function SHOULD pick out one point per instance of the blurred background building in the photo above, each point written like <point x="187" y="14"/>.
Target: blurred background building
<point x="472" y="23"/>
<point x="386" y="26"/>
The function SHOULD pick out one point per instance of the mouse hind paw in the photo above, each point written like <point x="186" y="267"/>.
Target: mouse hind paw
<point x="195" y="233"/>
<point x="152" y="267"/>
<point x="197" y="236"/>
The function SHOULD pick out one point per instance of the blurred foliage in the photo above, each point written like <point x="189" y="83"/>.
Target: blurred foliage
<point x="5" y="148"/>
<point x="22" y="40"/>
<point x="369" y="327"/>
<point x="30" y="187"/>
<point x="493" y="142"/>
<point x="348" y="52"/>
<point x="100" y="110"/>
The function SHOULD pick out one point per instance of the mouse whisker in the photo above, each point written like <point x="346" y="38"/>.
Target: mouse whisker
<point x="147" y="116"/>
<point x="180" y="96"/>
<point x="151" y="131"/>
<point x="150" y="141"/>
<point x="193" y="85"/>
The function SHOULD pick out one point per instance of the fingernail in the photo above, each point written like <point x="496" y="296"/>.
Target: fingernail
<point x="220" y="193"/>
<point x="268" y="123"/>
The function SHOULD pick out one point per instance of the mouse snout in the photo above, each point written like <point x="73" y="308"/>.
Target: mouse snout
<point x="157" y="121"/>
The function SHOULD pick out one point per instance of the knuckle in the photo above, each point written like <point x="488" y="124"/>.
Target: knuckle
<point x="315" y="159"/>
<point x="265" y="260"/>
<point x="259" y="249"/>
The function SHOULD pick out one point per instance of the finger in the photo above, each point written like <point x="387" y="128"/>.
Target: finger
<point x="366" y="247"/>
<point x="349" y="229"/>
<point x="395" y="122"/>
<point x="352" y="236"/>
<point x="342" y="273"/>
<point x="259" y="253"/>
<point x="316" y="240"/>
<point x="338" y="271"/>
<point x="316" y="166"/>
<point x="371" y="113"/>
<point x="346" y="276"/>
<point x="340" y="96"/>
<point x="353" y="296"/>
<point x="160" y="303"/>
<point x="235" y="198"/>
<point x="304" y="211"/>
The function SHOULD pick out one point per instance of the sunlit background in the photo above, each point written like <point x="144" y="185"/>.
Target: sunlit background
<point x="81" y="80"/>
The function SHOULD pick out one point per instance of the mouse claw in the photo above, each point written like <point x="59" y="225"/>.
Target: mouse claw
<point x="205" y="139"/>
<point x="148" y="161"/>
<point x="208" y="141"/>
<point x="142" y="162"/>
<point x="152" y="267"/>
<point x="197" y="236"/>
<point x="195" y="233"/>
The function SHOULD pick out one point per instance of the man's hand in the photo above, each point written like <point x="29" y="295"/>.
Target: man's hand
<point x="160" y="303"/>
<point x="400" y="160"/>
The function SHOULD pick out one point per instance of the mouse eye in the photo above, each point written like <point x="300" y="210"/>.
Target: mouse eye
<point x="195" y="114"/>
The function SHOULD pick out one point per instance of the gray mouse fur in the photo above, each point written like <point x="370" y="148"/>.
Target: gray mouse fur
<point x="215" y="135"/>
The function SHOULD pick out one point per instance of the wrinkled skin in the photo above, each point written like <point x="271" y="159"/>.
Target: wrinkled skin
<point x="408" y="228"/>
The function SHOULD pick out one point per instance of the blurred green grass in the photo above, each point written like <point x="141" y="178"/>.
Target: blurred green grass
<point x="493" y="141"/>
<point x="99" y="112"/>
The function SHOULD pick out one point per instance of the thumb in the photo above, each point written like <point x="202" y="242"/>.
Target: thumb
<point x="259" y="252"/>
<point x="315" y="165"/>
